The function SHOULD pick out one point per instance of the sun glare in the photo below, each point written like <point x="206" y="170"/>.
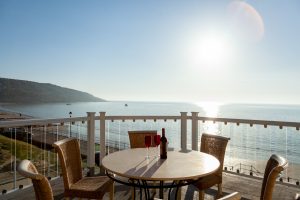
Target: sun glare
<point x="212" y="50"/>
<point x="211" y="109"/>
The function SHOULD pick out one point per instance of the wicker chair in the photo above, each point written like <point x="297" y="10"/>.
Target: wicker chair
<point x="74" y="183"/>
<point x="40" y="183"/>
<point x="137" y="138"/>
<point x="275" y="165"/>
<point x="216" y="146"/>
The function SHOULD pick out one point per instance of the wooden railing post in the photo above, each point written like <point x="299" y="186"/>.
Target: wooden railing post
<point x="195" y="131"/>
<point x="183" y="120"/>
<point x="91" y="143"/>
<point x="102" y="139"/>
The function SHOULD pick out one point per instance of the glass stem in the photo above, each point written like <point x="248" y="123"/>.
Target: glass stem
<point x="148" y="152"/>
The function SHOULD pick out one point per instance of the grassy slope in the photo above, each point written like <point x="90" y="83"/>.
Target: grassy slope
<point x="23" y="149"/>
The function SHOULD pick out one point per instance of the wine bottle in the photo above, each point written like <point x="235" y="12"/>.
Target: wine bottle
<point x="163" y="145"/>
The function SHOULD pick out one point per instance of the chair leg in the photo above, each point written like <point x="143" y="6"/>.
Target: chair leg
<point x="201" y="194"/>
<point x="220" y="192"/>
<point x="112" y="191"/>
<point x="132" y="193"/>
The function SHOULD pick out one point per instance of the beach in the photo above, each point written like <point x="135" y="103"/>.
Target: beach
<point x="9" y="116"/>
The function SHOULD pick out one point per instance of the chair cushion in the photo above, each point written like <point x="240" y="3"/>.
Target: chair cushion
<point x="89" y="187"/>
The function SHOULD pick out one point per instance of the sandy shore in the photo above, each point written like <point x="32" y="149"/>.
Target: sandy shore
<point x="258" y="168"/>
<point x="8" y="116"/>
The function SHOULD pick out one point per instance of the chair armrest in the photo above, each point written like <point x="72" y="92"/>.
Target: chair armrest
<point x="26" y="168"/>
<point x="232" y="196"/>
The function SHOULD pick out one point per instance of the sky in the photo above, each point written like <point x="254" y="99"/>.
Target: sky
<point x="171" y="50"/>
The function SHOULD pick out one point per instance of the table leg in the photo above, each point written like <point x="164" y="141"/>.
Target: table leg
<point x="178" y="191"/>
<point x="146" y="189"/>
<point x="170" y="190"/>
<point x="141" y="190"/>
<point x="176" y="187"/>
<point x="132" y="182"/>
<point x="161" y="190"/>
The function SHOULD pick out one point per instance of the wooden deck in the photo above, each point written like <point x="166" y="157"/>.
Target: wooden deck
<point x="249" y="187"/>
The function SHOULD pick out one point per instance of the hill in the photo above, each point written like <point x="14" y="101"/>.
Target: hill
<point x="20" y="91"/>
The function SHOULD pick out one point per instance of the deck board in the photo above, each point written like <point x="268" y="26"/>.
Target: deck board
<point x="248" y="187"/>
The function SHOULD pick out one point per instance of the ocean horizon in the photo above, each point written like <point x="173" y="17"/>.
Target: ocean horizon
<point x="278" y="112"/>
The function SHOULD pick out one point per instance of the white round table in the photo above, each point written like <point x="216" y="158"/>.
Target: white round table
<point x="178" y="167"/>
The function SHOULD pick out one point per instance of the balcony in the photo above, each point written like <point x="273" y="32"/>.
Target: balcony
<point x="249" y="188"/>
<point x="252" y="142"/>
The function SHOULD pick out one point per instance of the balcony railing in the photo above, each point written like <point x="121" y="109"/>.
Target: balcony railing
<point x="251" y="144"/>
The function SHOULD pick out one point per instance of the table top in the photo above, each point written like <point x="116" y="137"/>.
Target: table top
<point x="179" y="165"/>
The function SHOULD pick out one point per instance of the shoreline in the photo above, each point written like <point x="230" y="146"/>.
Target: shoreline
<point x="6" y="115"/>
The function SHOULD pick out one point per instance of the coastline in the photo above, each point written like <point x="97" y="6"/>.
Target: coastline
<point x="9" y="115"/>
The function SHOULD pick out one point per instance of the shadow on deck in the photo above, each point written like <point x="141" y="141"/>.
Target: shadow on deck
<point x="249" y="188"/>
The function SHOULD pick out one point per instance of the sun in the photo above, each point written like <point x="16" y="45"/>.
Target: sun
<point x="212" y="50"/>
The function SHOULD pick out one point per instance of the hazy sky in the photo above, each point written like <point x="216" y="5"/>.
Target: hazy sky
<point x="158" y="50"/>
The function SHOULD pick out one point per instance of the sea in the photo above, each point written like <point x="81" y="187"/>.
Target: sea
<point x="209" y="109"/>
<point x="248" y="146"/>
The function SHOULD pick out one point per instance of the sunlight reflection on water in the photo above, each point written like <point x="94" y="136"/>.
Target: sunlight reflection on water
<point x="211" y="109"/>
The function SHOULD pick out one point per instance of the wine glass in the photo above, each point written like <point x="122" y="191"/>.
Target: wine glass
<point x="147" y="144"/>
<point x="156" y="139"/>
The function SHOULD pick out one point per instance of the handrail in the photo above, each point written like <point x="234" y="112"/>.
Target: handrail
<point x="252" y="122"/>
<point x="32" y="122"/>
<point x="29" y="122"/>
<point x="203" y="119"/>
<point x="139" y="117"/>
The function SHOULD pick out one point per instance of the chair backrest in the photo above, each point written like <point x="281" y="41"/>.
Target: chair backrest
<point x="275" y="165"/>
<point x="215" y="145"/>
<point x="137" y="138"/>
<point x="41" y="185"/>
<point x="70" y="160"/>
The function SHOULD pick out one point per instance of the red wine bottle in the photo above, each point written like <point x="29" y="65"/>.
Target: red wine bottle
<point x="163" y="145"/>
